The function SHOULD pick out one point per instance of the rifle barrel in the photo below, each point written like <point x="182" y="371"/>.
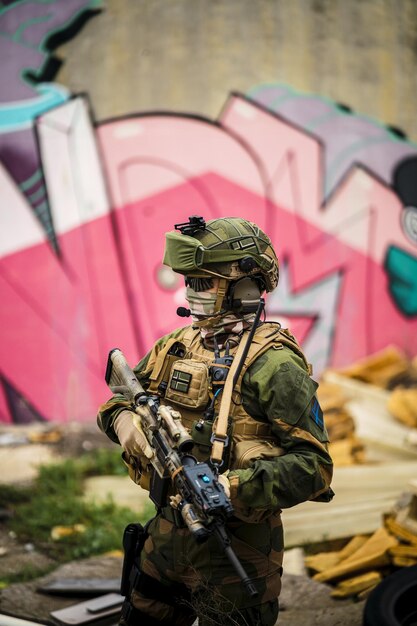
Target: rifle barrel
<point x="224" y="541"/>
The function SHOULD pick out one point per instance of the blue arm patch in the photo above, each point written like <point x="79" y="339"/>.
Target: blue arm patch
<point x="316" y="413"/>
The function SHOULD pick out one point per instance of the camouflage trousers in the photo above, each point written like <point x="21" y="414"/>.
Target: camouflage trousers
<point x="199" y="580"/>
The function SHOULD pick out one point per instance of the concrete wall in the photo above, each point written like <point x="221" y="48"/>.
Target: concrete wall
<point x="187" y="55"/>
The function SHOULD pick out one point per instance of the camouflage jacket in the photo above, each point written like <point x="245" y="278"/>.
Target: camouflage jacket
<point x="276" y="389"/>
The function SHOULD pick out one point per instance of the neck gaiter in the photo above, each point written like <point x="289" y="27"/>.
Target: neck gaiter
<point x="221" y="325"/>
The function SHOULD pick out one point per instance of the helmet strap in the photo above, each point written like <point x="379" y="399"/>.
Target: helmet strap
<point x="206" y="323"/>
<point x="221" y="293"/>
<point x="218" y="307"/>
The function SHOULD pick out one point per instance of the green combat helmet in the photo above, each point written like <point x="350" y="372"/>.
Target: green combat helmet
<point x="230" y="248"/>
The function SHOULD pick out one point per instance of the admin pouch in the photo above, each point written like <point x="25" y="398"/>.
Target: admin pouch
<point x="188" y="384"/>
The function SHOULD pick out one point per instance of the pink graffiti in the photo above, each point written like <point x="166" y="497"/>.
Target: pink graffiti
<point x="116" y="189"/>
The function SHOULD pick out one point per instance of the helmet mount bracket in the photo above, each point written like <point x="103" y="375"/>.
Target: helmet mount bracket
<point x="194" y="224"/>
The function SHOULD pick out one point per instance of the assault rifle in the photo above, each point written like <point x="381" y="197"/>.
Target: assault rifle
<point x="202" y="502"/>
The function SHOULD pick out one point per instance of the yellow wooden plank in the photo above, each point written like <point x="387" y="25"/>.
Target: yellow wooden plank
<point x="399" y="531"/>
<point x="362" y="595"/>
<point x="325" y="560"/>
<point x="373" y="554"/>
<point x="378" y="368"/>
<point x="322" y="561"/>
<point x="353" y="586"/>
<point x="352" y="546"/>
<point x="403" y="561"/>
<point x="405" y="551"/>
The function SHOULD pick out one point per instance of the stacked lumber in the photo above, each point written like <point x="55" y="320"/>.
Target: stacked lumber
<point x="392" y="370"/>
<point x="402" y="404"/>
<point x="365" y="560"/>
<point x="345" y="447"/>
<point x="383" y="369"/>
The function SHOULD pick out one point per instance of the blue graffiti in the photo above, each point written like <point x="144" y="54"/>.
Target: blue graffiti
<point x="401" y="268"/>
<point x="19" y="115"/>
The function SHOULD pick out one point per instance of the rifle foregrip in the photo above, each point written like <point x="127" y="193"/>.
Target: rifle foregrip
<point x="119" y="373"/>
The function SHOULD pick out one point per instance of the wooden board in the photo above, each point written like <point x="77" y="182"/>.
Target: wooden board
<point x="383" y="436"/>
<point x="353" y="586"/>
<point x="363" y="495"/>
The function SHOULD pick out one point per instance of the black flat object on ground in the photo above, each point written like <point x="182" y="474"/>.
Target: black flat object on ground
<point x="98" y="611"/>
<point x="81" y="586"/>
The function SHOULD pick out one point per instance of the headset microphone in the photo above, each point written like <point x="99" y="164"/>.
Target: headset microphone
<point x="183" y="312"/>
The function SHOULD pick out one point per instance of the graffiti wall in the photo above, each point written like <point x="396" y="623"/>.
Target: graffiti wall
<point x="85" y="204"/>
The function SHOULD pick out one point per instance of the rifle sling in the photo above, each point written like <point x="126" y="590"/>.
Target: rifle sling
<point x="221" y="424"/>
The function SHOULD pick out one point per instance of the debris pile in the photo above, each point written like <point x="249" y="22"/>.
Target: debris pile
<point x="387" y="369"/>
<point x="392" y="370"/>
<point x="402" y="404"/>
<point x="371" y="403"/>
<point x="366" y="559"/>
<point x="345" y="447"/>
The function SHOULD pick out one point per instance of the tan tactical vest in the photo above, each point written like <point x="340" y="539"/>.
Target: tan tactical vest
<point x="180" y="375"/>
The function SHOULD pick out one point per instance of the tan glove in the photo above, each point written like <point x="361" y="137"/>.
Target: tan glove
<point x="224" y="481"/>
<point x="131" y="436"/>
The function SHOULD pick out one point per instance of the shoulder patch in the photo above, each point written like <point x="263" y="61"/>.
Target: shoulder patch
<point x="316" y="413"/>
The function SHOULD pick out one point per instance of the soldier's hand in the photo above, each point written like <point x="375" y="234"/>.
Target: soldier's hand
<point x="131" y="436"/>
<point x="224" y="481"/>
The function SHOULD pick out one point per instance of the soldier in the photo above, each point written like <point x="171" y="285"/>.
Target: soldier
<point x="272" y="453"/>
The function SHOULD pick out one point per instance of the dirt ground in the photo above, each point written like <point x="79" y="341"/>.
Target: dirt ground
<point x="304" y="602"/>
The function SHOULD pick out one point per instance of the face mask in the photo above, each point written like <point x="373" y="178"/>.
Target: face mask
<point x="201" y="303"/>
<point x="224" y="327"/>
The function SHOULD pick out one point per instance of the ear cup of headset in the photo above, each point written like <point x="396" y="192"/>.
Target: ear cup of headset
<point x="244" y="294"/>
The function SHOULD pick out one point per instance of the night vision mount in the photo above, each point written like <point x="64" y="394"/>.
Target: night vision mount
<point x="194" y="224"/>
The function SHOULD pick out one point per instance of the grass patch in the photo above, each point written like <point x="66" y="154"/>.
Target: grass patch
<point x="25" y="575"/>
<point x="102" y="462"/>
<point x="55" y="499"/>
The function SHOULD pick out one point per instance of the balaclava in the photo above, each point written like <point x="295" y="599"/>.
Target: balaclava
<point x="213" y="327"/>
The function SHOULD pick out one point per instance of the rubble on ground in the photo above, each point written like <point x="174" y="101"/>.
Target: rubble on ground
<point x="365" y="560"/>
<point x="370" y="411"/>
